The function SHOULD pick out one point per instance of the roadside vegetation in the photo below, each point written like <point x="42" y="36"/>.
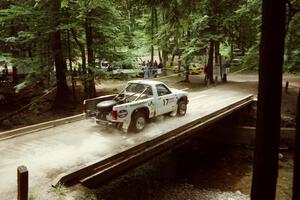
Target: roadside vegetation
<point x="51" y="55"/>
<point x="58" y="47"/>
<point x="59" y="43"/>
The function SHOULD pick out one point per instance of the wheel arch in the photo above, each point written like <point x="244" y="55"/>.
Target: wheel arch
<point x="142" y="109"/>
<point x="183" y="98"/>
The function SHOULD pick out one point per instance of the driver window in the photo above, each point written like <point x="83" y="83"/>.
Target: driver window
<point x="162" y="90"/>
<point x="149" y="91"/>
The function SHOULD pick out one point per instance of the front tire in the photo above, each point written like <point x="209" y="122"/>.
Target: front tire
<point x="138" y="122"/>
<point x="182" y="107"/>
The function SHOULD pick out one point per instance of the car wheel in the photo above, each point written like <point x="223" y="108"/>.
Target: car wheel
<point x="182" y="107"/>
<point x="138" y="122"/>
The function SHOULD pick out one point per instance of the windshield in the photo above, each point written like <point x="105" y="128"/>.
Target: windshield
<point x="105" y="64"/>
<point x="138" y="88"/>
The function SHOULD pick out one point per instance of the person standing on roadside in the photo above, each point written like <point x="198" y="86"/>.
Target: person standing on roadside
<point x="205" y="73"/>
<point x="225" y="70"/>
<point x="146" y="71"/>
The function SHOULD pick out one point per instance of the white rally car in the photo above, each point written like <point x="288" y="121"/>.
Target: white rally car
<point x="139" y="101"/>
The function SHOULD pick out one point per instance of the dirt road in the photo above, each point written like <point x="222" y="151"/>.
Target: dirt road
<point x="50" y="152"/>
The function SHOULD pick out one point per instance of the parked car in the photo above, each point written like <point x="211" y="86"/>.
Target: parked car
<point x="139" y="101"/>
<point x="196" y="68"/>
<point x="102" y="64"/>
<point x="126" y="70"/>
<point x="176" y="69"/>
<point x="235" y="62"/>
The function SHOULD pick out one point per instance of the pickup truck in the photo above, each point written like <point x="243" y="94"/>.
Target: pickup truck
<point x="139" y="101"/>
<point x="126" y="70"/>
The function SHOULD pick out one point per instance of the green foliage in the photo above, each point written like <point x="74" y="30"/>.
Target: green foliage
<point x="251" y="59"/>
<point x="60" y="189"/>
<point x="292" y="50"/>
<point x="88" y="195"/>
<point x="32" y="196"/>
<point x="35" y="106"/>
<point x="123" y="30"/>
<point x="100" y="73"/>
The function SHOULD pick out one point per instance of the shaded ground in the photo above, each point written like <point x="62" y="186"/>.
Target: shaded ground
<point x="199" y="170"/>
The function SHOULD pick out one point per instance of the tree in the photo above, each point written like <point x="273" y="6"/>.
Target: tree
<point x="265" y="164"/>
<point x="292" y="37"/>
<point x="59" y="60"/>
<point x="296" y="178"/>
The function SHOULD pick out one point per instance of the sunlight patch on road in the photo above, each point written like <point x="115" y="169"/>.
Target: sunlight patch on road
<point x="198" y="97"/>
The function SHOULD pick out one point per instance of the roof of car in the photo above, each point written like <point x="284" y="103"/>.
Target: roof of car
<point x="148" y="82"/>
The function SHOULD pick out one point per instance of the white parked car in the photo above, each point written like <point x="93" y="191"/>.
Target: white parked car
<point x="124" y="71"/>
<point x="139" y="101"/>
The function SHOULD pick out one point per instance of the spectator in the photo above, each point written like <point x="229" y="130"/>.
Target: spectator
<point x="155" y="64"/>
<point x="150" y="65"/>
<point x="225" y="70"/>
<point x="5" y="69"/>
<point x="205" y="73"/>
<point x="226" y="65"/>
<point x="146" y="71"/>
<point x="4" y="75"/>
<point x="109" y="68"/>
<point x="160" y="65"/>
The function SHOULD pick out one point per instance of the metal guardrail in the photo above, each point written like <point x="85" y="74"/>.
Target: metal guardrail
<point x="37" y="127"/>
<point x="98" y="172"/>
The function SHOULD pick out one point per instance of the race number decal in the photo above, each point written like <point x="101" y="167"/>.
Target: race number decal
<point x="165" y="102"/>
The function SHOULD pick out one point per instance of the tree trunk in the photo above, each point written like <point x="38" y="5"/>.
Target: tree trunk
<point x="179" y="63"/>
<point x="172" y="60"/>
<point x="164" y="58"/>
<point x="265" y="164"/>
<point x="210" y="62"/>
<point x="59" y="60"/>
<point x="70" y="64"/>
<point x="217" y="57"/>
<point x="49" y="62"/>
<point x="296" y="179"/>
<point x="83" y="61"/>
<point x="15" y="77"/>
<point x="217" y="53"/>
<point x="231" y="49"/>
<point x="159" y="56"/>
<point x="152" y="34"/>
<point x="90" y="56"/>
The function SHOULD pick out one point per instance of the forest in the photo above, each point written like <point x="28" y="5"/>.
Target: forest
<point x="50" y="39"/>
<point x="52" y="45"/>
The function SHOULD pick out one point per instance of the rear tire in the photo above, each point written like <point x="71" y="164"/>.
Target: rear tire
<point x="182" y="107"/>
<point x="138" y="122"/>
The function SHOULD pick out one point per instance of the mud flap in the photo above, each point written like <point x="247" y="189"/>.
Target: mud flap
<point x="126" y="125"/>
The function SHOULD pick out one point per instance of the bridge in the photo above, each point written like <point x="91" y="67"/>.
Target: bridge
<point x="77" y="150"/>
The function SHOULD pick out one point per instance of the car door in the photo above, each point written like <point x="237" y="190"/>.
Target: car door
<point x="165" y="100"/>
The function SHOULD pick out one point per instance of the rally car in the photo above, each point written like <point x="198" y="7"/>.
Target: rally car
<point x="139" y="101"/>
